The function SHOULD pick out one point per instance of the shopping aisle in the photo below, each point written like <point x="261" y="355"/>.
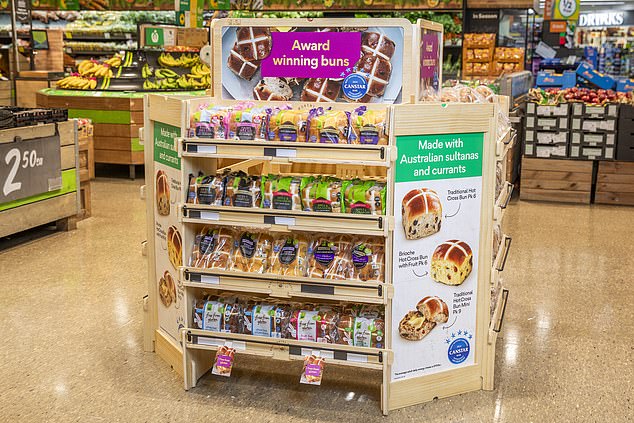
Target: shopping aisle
<point x="72" y="331"/>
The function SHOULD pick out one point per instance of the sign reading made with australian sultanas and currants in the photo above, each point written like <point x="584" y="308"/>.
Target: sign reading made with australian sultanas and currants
<point x="312" y="54"/>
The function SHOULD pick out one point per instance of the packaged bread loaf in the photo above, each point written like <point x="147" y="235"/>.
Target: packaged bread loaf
<point x="242" y="190"/>
<point x="251" y="252"/>
<point x="327" y="325"/>
<point x="282" y="192"/>
<point x="213" y="315"/>
<point x="303" y="325"/>
<point x="368" y="126"/>
<point x="330" y="257"/>
<point x="263" y="319"/>
<point x="287" y="125"/>
<point x="283" y="314"/>
<point x="368" y="259"/>
<point x="330" y="126"/>
<point x="363" y="197"/>
<point x="212" y="123"/>
<point x="321" y="194"/>
<point x="289" y="255"/>
<point x="369" y="331"/>
<point x="421" y="212"/>
<point x="451" y="262"/>
<point x="197" y="312"/>
<point x="232" y="319"/>
<point x="248" y="124"/>
<point x="345" y="327"/>
<point x="212" y="248"/>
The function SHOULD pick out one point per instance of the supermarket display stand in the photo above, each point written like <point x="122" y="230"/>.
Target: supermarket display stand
<point x="190" y="352"/>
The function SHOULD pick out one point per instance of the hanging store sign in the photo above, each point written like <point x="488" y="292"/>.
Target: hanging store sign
<point x="566" y="10"/>
<point x="23" y="11"/>
<point x="483" y="21"/>
<point x="603" y="19"/>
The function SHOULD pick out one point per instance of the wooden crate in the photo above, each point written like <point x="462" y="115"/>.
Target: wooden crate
<point x="563" y="181"/>
<point x="86" y="159"/>
<point x="615" y="183"/>
<point x="6" y="93"/>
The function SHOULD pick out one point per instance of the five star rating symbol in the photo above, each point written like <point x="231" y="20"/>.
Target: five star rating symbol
<point x="460" y="333"/>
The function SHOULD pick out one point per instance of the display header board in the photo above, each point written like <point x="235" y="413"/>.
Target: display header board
<point x="430" y="44"/>
<point x="315" y="60"/>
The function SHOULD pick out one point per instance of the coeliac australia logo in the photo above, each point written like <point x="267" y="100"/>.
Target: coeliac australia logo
<point x="355" y="86"/>
<point x="459" y="346"/>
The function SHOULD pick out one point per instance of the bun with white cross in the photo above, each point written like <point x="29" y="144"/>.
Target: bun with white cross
<point x="377" y="44"/>
<point x="451" y="262"/>
<point x="240" y="66"/>
<point x="253" y="43"/>
<point x="416" y="324"/>
<point x="378" y="70"/>
<point x="321" y="90"/>
<point x="272" y="89"/>
<point x="421" y="212"/>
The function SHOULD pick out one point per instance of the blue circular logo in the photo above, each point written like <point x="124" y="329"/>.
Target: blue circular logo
<point x="458" y="351"/>
<point x="355" y="86"/>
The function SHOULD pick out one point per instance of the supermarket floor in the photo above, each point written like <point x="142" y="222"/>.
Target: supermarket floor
<point x="72" y="341"/>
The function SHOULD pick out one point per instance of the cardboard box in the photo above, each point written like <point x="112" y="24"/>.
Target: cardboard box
<point x="592" y="140"/>
<point x="546" y="79"/>
<point x="545" y="137"/>
<point x="547" y="123"/>
<point x="625" y="85"/>
<point x="192" y="37"/>
<point x="560" y="110"/>
<point x="593" y="125"/>
<point x="594" y="77"/>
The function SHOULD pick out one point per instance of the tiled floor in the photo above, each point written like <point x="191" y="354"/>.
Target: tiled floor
<point x="71" y="319"/>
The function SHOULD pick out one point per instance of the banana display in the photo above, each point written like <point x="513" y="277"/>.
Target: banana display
<point x="126" y="70"/>
<point x="186" y="60"/>
<point x="77" y="82"/>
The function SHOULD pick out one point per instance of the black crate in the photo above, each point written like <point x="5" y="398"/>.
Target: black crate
<point x="595" y="112"/>
<point x="594" y="126"/>
<point x="11" y="117"/>
<point x="546" y="151"/>
<point x="542" y="123"/>
<point x="592" y="139"/>
<point x="588" y="152"/>
<point x="561" y="110"/>
<point x="546" y="137"/>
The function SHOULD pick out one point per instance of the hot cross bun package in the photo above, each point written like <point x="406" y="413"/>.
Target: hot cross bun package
<point x="252" y="251"/>
<point x="289" y="255"/>
<point x="330" y="257"/>
<point x="212" y="248"/>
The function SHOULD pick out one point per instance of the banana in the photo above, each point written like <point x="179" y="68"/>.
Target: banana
<point x="93" y="84"/>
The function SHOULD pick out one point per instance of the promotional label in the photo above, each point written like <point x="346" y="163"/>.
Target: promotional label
<point x="429" y="56"/>
<point x="311" y="54"/>
<point x="437" y="209"/>
<point x="223" y="362"/>
<point x="312" y="64"/>
<point x="566" y="9"/>
<point x="29" y="168"/>
<point x="168" y="241"/>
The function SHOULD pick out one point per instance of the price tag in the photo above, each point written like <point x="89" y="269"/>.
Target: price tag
<point x="106" y="35"/>
<point x="286" y="152"/>
<point x="208" y="215"/>
<point x="322" y="353"/>
<point x="282" y="220"/>
<point x="213" y="342"/>
<point x="357" y="358"/>
<point x="29" y="168"/>
<point x="215" y="280"/>
<point x="210" y="149"/>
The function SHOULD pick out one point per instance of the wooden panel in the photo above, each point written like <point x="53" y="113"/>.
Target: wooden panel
<point x="559" y="196"/>
<point x="115" y="130"/>
<point x="90" y="103"/>
<point x="169" y="352"/>
<point x="136" y="118"/>
<point x="623" y="198"/>
<point x="27" y="132"/>
<point x="66" y="132"/>
<point x="68" y="156"/>
<point x="615" y="178"/>
<point x="86" y="199"/>
<point x="26" y="92"/>
<point x="86" y="159"/>
<point x="556" y="165"/>
<point x="40" y="213"/>
<point x="441" y="119"/>
<point x="112" y="143"/>
<point x="118" y="157"/>
<point x="540" y="175"/>
<point x="165" y="109"/>
<point x="611" y="187"/>
<point x="559" y="185"/>
<point x="616" y="167"/>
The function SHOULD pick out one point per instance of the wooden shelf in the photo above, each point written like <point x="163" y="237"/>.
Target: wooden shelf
<point x="279" y="286"/>
<point x="503" y="251"/>
<point x="286" y="220"/>
<point x="505" y="143"/>
<point x="287" y="349"/>
<point x="498" y="315"/>
<point x="503" y="201"/>
<point x="289" y="152"/>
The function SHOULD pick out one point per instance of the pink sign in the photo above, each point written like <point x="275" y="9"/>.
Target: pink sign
<point x="312" y="54"/>
<point x="429" y="55"/>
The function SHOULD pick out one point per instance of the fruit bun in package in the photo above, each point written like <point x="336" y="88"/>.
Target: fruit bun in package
<point x="330" y="126"/>
<point x="368" y="126"/>
<point x="211" y="122"/>
<point x="248" y="124"/>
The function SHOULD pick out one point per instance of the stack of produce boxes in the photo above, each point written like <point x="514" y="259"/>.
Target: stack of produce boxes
<point x="547" y="131"/>
<point x="594" y="129"/>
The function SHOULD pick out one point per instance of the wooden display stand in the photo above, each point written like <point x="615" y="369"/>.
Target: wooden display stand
<point x="6" y="93"/>
<point x="59" y="206"/>
<point x="171" y="151"/>
<point x="568" y="181"/>
<point x="28" y="83"/>
<point x="615" y="183"/>
<point x="86" y="166"/>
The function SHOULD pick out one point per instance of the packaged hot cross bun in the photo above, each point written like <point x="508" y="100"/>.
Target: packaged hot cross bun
<point x="364" y="197"/>
<point x="330" y="257"/>
<point x="289" y="255"/>
<point x="252" y="251"/>
<point x="288" y="125"/>
<point x="206" y="189"/>
<point x="368" y="126"/>
<point x="368" y="259"/>
<point x="242" y="190"/>
<point x="322" y="194"/>
<point x="212" y="248"/>
<point x="330" y="127"/>
<point x="281" y="192"/>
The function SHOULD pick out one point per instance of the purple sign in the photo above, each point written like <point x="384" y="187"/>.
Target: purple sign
<point x="312" y="54"/>
<point x="313" y="370"/>
<point x="428" y="55"/>
<point x="224" y="361"/>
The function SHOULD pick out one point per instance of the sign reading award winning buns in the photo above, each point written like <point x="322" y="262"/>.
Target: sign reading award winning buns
<point x="313" y="60"/>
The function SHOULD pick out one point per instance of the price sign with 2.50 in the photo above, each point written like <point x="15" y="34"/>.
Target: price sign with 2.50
<point x="29" y="168"/>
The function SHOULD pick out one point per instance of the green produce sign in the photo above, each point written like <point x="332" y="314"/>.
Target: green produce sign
<point x="154" y="36"/>
<point x="165" y="148"/>
<point x="445" y="156"/>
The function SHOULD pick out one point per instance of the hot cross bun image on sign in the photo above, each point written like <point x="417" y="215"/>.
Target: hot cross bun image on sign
<point x="272" y="89"/>
<point x="377" y="44"/>
<point x="253" y="43"/>
<point x="242" y="67"/>
<point x="451" y="262"/>
<point x="378" y="72"/>
<point x="421" y="213"/>
<point x="416" y="324"/>
<point x="321" y="90"/>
